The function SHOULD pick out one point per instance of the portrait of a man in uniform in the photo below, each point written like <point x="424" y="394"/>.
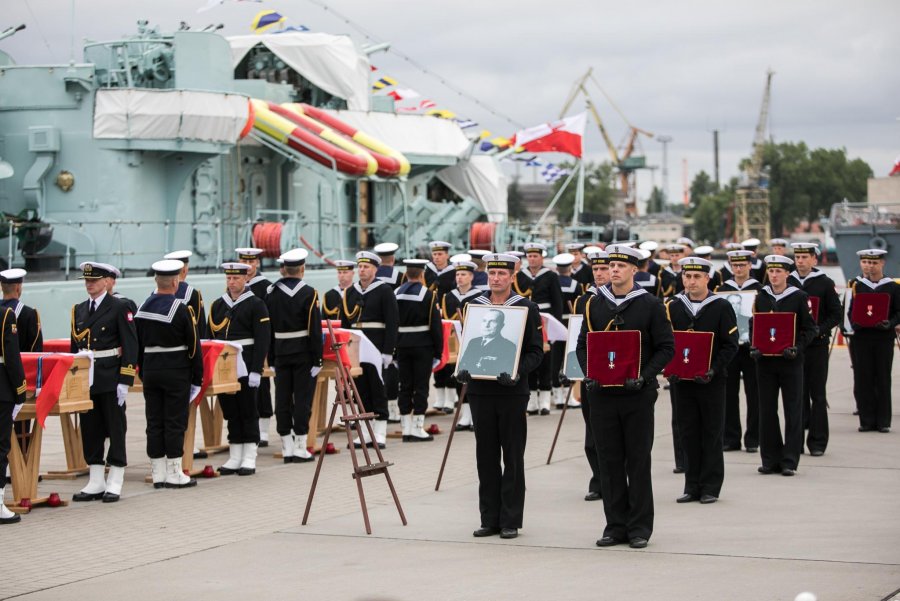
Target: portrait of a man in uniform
<point x="571" y="368"/>
<point x="492" y="336"/>
<point x="742" y="303"/>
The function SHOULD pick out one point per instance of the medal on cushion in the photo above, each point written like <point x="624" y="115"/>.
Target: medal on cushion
<point x="869" y="310"/>
<point x="612" y="359"/>
<point x="772" y="334"/>
<point x="687" y="352"/>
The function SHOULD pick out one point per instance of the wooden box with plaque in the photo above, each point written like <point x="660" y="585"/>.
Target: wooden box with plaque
<point x="773" y="332"/>
<point x="613" y="356"/>
<point x="693" y="355"/>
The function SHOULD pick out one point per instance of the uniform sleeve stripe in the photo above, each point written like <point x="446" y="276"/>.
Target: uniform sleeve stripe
<point x="732" y="330"/>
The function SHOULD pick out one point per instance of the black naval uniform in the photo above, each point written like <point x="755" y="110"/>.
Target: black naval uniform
<point x="420" y="340"/>
<point x="774" y="374"/>
<point x="28" y="326"/>
<point x="742" y="365"/>
<point x="583" y="274"/>
<point x="171" y="361"/>
<point x="543" y="289"/>
<point x="590" y="445"/>
<point x="331" y="303"/>
<point x="571" y="290"/>
<point x="648" y="282"/>
<point x="390" y="275"/>
<point x="374" y="312"/>
<point x="873" y="356"/>
<point x="701" y="405"/>
<point x="191" y="297"/>
<point x="12" y="385"/>
<point x="132" y="306"/>
<point x="815" y="359"/>
<point x="296" y="347"/>
<point x="109" y="331"/>
<point x="244" y="320"/>
<point x="622" y="419"/>
<point x="758" y="270"/>
<point x="441" y="281"/>
<point x="500" y="432"/>
<point x="670" y="282"/>
<point x="393" y="277"/>
<point x="480" y="281"/>
<point x="259" y="286"/>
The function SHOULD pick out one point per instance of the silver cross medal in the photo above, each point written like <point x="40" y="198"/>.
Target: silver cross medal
<point x="687" y="352"/>
<point x="612" y="359"/>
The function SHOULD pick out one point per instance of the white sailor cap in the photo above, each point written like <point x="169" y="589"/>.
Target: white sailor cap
<point x="778" y="262"/>
<point x="685" y="241"/>
<point x="464" y="266"/>
<point x="91" y="270"/>
<point x="13" y="276"/>
<point x="344" y="265"/>
<point x="678" y="247"/>
<point x="625" y="254"/>
<point x="534" y="247"/>
<point x="166" y="267"/>
<point x="778" y="242"/>
<point x="645" y="254"/>
<point x="439" y="245"/>
<point x="805" y="248"/>
<point x="871" y="253"/>
<point x="518" y="254"/>
<point x="477" y="253"/>
<point x="248" y="254"/>
<point x="739" y="256"/>
<point x="294" y="257"/>
<point x="365" y="256"/>
<point x="564" y="259"/>
<point x="695" y="264"/>
<point x="179" y="255"/>
<point x="703" y="251"/>
<point x="599" y="257"/>
<point x="575" y="246"/>
<point x="650" y="245"/>
<point x="734" y="246"/>
<point x="750" y="243"/>
<point x="501" y="261"/>
<point x="386" y="248"/>
<point x="235" y="268"/>
<point x="460" y="257"/>
<point x="664" y="262"/>
<point x="628" y="243"/>
<point x="589" y="250"/>
<point x="415" y="263"/>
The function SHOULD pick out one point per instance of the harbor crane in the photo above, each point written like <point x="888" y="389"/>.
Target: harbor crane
<point x="751" y="204"/>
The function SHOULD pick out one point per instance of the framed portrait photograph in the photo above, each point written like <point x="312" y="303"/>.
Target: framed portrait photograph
<point x="742" y="303"/>
<point x="492" y="340"/>
<point x="571" y="367"/>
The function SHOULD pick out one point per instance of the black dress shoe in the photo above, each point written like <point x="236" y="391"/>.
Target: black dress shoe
<point x="545" y="412"/>
<point x="188" y="484"/>
<point x="731" y="448"/>
<point x="533" y="412"/>
<point x="765" y="470"/>
<point x="509" y="533"/>
<point x="109" y="497"/>
<point x="262" y="444"/>
<point x="609" y="541"/>
<point x="559" y="405"/>
<point x="816" y="453"/>
<point x="159" y="485"/>
<point x="884" y="430"/>
<point x="678" y="470"/>
<point x="201" y="455"/>
<point x="227" y="471"/>
<point x="865" y="429"/>
<point x="296" y="459"/>
<point x="483" y="531"/>
<point x="11" y="519"/>
<point x="87" y="496"/>
<point x="464" y="428"/>
<point x="707" y="499"/>
<point x="856" y="412"/>
<point x="686" y="498"/>
<point x="752" y="449"/>
<point x="593" y="496"/>
<point x="788" y="472"/>
<point x="638" y="542"/>
<point x="449" y="410"/>
<point x="246" y="471"/>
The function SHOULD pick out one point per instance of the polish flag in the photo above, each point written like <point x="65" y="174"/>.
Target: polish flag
<point x="896" y="169"/>
<point x="565" y="135"/>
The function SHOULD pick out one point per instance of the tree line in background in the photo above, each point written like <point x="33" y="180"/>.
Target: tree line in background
<point x="803" y="184"/>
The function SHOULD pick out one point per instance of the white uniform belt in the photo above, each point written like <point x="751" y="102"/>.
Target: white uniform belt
<point x="112" y="352"/>
<point x="569" y="315"/>
<point x="409" y="329"/>
<point x="295" y="334"/>
<point x="369" y="324"/>
<point x="543" y="305"/>
<point x="165" y="349"/>
<point x="243" y="341"/>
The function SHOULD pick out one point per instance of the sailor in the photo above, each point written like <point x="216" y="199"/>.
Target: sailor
<point x="778" y="246"/>
<point x="581" y="266"/>
<point x="815" y="360"/>
<point x="28" y="320"/>
<point x="420" y="343"/>
<point x="541" y="286"/>
<point x="103" y="324"/>
<point x="873" y="347"/>
<point x="479" y="276"/>
<point x="12" y="391"/>
<point x="331" y="304"/>
<point x="370" y="306"/>
<point x="240" y="317"/>
<point x="653" y="267"/>
<point x="700" y="404"/>
<point x="643" y="277"/>
<point x="705" y="252"/>
<point x="757" y="266"/>
<point x="571" y="290"/>
<point x="439" y="273"/>
<point x="171" y="364"/>
<point x="724" y="273"/>
<point x="388" y="271"/>
<point x="670" y="276"/>
<point x="293" y="308"/>
<point x="742" y="365"/>
<point x="782" y="374"/>
<point x="453" y="307"/>
<point x="687" y="243"/>
<point x="187" y="293"/>
<point x="259" y="285"/>
<point x="498" y="407"/>
<point x="111" y="288"/>
<point x="622" y="418"/>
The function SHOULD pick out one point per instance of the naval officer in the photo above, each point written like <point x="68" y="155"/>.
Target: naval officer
<point x="12" y="396"/>
<point x="331" y="303"/>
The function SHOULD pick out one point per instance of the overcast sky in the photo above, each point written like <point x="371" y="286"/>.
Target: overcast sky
<point x="677" y="68"/>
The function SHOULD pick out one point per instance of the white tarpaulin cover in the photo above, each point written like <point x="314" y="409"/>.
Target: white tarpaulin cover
<point x="330" y="62"/>
<point x="143" y="114"/>
<point x="410" y="134"/>
<point x="480" y="178"/>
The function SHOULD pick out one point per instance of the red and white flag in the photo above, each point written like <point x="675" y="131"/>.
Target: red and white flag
<point x="565" y="135"/>
<point x="896" y="169"/>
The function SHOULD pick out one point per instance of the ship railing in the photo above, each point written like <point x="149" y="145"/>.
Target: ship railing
<point x="849" y="215"/>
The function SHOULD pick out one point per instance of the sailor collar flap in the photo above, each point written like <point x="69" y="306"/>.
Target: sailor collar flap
<point x="405" y="292"/>
<point x="159" y="307"/>
<point x="540" y="272"/>
<point x="433" y="267"/>
<point x="871" y="284"/>
<point x="461" y="297"/>
<point x="779" y="297"/>
<point x="287" y="289"/>
<point x="16" y="306"/>
<point x="606" y="291"/>
<point x="695" y="308"/>
<point x="375" y="284"/>
<point x="184" y="293"/>
<point x="392" y="278"/>
<point x="570" y="287"/>
<point x="512" y="300"/>
<point x="812" y="274"/>
<point x="233" y="303"/>
<point x="257" y="278"/>
<point x="749" y="282"/>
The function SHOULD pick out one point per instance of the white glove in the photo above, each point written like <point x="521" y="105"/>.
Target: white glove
<point x="386" y="360"/>
<point x="195" y="390"/>
<point x="253" y="379"/>
<point x="315" y="370"/>
<point x="121" y="393"/>
<point x="435" y="363"/>
<point x="16" y="409"/>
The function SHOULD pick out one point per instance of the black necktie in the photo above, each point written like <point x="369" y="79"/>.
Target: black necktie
<point x="93" y="308"/>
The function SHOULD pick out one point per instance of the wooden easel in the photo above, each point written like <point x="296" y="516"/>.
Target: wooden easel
<point x="459" y="404"/>
<point x="349" y="401"/>
<point x="562" y="416"/>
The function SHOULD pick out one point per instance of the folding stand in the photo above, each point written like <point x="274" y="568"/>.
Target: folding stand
<point x="459" y="403"/>
<point x="562" y="416"/>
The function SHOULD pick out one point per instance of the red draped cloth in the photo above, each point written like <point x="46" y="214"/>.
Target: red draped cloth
<point x="445" y="354"/>
<point x="46" y="371"/>
<point x="211" y="351"/>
